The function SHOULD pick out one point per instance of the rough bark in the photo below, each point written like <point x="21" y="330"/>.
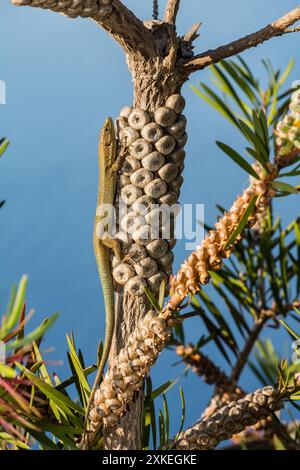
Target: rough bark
<point x="127" y="435"/>
<point x="277" y="28"/>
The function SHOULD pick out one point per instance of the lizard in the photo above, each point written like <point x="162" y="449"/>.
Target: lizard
<point x="109" y="164"/>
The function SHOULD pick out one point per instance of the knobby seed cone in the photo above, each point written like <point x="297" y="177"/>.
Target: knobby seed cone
<point x="231" y="419"/>
<point x="288" y="133"/>
<point x="148" y="188"/>
<point x="203" y="366"/>
<point x="125" y="377"/>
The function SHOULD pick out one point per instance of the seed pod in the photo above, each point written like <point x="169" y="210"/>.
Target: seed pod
<point x="123" y="355"/>
<point x="122" y="273"/>
<point x="143" y="205"/>
<point x="178" y="128"/>
<point x="156" y="188"/>
<point x="94" y="415"/>
<point x="130" y="194"/>
<point x="138" y="119"/>
<point x="153" y="161"/>
<point x="177" y="156"/>
<point x="118" y="386"/>
<point x="176" y="183"/>
<point x="126" y="397"/>
<point x="131" y="222"/>
<point x="269" y="391"/>
<point x="176" y="102"/>
<point x="123" y="237"/>
<point x="113" y="404"/>
<point x="159" y="327"/>
<point x="144" y="235"/>
<point x="253" y="409"/>
<point x="166" y="260"/>
<point x="128" y="135"/>
<point x="136" y="286"/>
<point x="104" y="12"/>
<point x="107" y="391"/>
<point x="146" y="267"/>
<point x="169" y="198"/>
<point x="156" y="280"/>
<point x="152" y="132"/>
<point x="157" y="248"/>
<point x="165" y="117"/>
<point x="112" y="420"/>
<point x="141" y="177"/>
<point x="129" y="166"/>
<point x="168" y="172"/>
<point x="140" y="148"/>
<point x="260" y="399"/>
<point x="182" y="140"/>
<point x="124" y="180"/>
<point x="165" y="144"/>
<point x="115" y="261"/>
<point x="157" y="216"/>
<point x="125" y="112"/>
<point x="171" y="242"/>
<point x="211" y="428"/>
<point x="120" y="124"/>
<point x="136" y="253"/>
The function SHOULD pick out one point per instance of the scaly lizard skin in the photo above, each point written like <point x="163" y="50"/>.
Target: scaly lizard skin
<point x="108" y="167"/>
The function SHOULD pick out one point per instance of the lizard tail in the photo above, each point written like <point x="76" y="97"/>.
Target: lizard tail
<point x="109" y="303"/>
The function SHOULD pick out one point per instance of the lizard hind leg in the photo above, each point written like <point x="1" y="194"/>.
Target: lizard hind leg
<point x="115" y="246"/>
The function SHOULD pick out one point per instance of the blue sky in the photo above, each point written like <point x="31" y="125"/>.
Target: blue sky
<point x="63" y="78"/>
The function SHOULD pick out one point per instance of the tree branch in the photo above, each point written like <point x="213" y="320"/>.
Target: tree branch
<point x="203" y="366"/>
<point x="243" y="357"/>
<point x="114" y="17"/>
<point x="264" y="316"/>
<point x="231" y="419"/>
<point x="212" y="56"/>
<point x="171" y="11"/>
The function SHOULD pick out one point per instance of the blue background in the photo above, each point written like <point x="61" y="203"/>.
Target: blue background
<point x="63" y="78"/>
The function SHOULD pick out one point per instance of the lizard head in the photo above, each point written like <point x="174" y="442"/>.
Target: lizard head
<point x="107" y="132"/>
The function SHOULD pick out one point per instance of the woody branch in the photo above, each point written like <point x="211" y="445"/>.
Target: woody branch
<point x="135" y="38"/>
<point x="277" y="28"/>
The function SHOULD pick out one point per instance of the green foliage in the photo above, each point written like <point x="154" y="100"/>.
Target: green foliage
<point x="4" y="143"/>
<point x="253" y="110"/>
<point x="19" y="407"/>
